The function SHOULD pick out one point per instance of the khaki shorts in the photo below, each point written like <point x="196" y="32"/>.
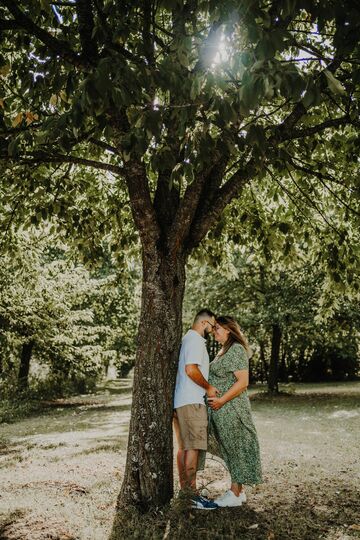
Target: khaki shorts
<point x="190" y="425"/>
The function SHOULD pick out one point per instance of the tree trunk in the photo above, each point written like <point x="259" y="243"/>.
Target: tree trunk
<point x="23" y="377"/>
<point x="283" y="370"/>
<point x="273" y="383"/>
<point x="2" y="347"/>
<point x="148" y="480"/>
<point x="263" y="364"/>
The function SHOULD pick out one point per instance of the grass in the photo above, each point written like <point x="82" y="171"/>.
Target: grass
<point x="308" y="516"/>
<point x="32" y="405"/>
<point x="12" y="411"/>
<point x="63" y="470"/>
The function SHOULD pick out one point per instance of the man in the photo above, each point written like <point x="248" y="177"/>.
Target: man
<point x="190" y="414"/>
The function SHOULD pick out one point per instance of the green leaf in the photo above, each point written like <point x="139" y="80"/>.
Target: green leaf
<point x="13" y="147"/>
<point x="334" y="84"/>
<point x="256" y="136"/>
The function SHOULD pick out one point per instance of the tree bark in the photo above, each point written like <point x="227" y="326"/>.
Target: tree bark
<point x="273" y="382"/>
<point x="23" y="377"/>
<point x="283" y="368"/>
<point x="148" y="480"/>
<point x="263" y="363"/>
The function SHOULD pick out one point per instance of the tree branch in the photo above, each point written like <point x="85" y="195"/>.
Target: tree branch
<point x="41" y="157"/>
<point x="311" y="202"/>
<point x="104" y="145"/>
<point x="148" y="43"/>
<point x="197" y="196"/>
<point x="306" y="132"/>
<point x="292" y="197"/>
<point x="323" y="177"/>
<point x="57" y="46"/>
<point x="86" y="27"/>
<point x="299" y="109"/>
<point x="223" y="196"/>
<point x="142" y="208"/>
<point x="9" y="25"/>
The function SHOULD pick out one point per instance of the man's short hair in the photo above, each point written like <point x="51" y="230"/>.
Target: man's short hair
<point x="203" y="314"/>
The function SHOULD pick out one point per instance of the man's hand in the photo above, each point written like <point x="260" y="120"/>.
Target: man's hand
<point x="212" y="391"/>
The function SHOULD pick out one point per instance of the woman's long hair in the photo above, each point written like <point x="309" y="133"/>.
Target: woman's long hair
<point x="235" y="335"/>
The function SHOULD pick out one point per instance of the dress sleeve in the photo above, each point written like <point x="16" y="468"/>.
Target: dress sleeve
<point x="237" y="358"/>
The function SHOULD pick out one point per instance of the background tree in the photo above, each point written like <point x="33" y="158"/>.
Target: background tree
<point x="185" y="104"/>
<point x="70" y="322"/>
<point x="269" y="264"/>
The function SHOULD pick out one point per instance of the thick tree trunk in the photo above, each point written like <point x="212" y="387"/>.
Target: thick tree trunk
<point x="23" y="377"/>
<point x="273" y="383"/>
<point x="148" y="480"/>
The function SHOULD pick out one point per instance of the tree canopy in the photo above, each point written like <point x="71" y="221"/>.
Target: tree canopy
<point x="186" y="89"/>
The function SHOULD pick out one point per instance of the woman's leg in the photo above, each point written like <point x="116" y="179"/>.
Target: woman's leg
<point x="236" y="488"/>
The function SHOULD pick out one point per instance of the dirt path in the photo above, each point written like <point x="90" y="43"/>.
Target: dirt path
<point x="61" y="471"/>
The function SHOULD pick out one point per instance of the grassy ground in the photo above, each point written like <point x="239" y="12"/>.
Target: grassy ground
<point x="60" y="472"/>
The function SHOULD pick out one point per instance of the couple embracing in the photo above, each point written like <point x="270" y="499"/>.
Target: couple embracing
<point x="211" y="407"/>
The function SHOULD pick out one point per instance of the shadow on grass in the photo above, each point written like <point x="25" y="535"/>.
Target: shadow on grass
<point x="7" y="520"/>
<point x="111" y="447"/>
<point x="11" y="415"/>
<point x="114" y="390"/>
<point x="14" y="410"/>
<point x="306" y="399"/>
<point x="327" y="512"/>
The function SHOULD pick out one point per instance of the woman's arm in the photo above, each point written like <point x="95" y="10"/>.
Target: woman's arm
<point x="235" y="390"/>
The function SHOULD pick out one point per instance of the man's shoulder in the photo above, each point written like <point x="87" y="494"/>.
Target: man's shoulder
<point x="192" y="336"/>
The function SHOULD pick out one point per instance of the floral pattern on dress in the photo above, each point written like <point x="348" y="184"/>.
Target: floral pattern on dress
<point x="232" y="434"/>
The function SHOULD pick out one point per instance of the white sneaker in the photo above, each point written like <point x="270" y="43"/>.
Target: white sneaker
<point x="230" y="499"/>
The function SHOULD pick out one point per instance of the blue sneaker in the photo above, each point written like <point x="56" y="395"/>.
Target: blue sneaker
<point x="202" y="503"/>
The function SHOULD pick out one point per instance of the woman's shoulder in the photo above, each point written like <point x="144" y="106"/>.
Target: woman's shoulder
<point x="238" y="357"/>
<point x="237" y="347"/>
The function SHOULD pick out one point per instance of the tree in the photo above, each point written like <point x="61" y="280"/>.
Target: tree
<point x="53" y="309"/>
<point x="184" y="103"/>
<point x="269" y="265"/>
<point x="45" y="312"/>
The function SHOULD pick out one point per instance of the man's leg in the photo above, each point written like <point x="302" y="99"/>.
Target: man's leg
<point x="191" y="460"/>
<point x="180" y="458"/>
<point x="190" y="422"/>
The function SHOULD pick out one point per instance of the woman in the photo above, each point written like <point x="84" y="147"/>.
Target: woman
<point x="230" y="420"/>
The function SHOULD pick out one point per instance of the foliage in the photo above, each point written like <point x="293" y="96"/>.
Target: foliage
<point x="109" y="84"/>
<point x="281" y="277"/>
<point x="78" y="322"/>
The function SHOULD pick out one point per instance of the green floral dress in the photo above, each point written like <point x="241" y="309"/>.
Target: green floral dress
<point x="232" y="434"/>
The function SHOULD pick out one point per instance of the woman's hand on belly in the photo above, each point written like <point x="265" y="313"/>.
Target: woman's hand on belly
<point x="215" y="403"/>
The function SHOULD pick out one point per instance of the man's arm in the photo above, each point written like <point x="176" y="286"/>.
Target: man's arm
<point x="193" y="371"/>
